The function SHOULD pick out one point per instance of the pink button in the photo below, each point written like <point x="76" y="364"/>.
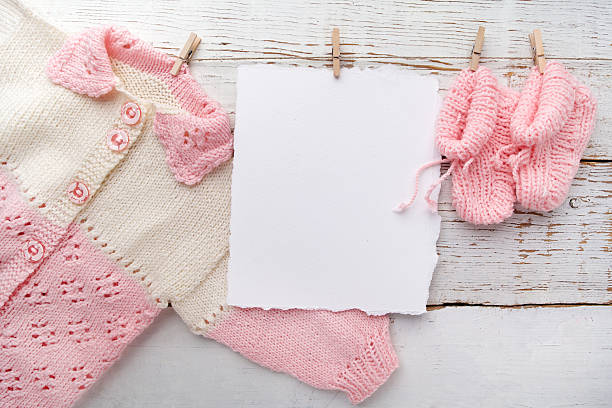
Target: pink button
<point x="130" y="113"/>
<point x="32" y="250"/>
<point x="78" y="192"/>
<point x="117" y="140"/>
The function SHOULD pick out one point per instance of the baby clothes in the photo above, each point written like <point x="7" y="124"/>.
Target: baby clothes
<point x="506" y="146"/>
<point x="114" y="202"/>
<point x="550" y="128"/>
<point x="348" y="350"/>
<point x="472" y="129"/>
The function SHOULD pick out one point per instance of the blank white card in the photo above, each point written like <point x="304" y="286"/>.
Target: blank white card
<point x="319" y="165"/>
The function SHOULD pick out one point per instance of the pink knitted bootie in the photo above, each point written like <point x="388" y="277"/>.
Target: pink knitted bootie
<point x="550" y="129"/>
<point x="472" y="130"/>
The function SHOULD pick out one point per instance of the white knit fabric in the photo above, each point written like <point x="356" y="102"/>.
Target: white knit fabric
<point x="168" y="235"/>
<point x="158" y="206"/>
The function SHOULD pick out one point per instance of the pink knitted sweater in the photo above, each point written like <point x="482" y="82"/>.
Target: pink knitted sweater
<point x="114" y="202"/>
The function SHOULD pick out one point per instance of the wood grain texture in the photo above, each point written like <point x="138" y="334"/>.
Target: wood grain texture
<point x="531" y="258"/>
<point x="385" y="28"/>
<point x="559" y="257"/>
<point x="454" y="357"/>
<point x="219" y="79"/>
<point x="432" y="37"/>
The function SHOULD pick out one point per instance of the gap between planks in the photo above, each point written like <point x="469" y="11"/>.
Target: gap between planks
<point x="438" y="59"/>
<point x="517" y="306"/>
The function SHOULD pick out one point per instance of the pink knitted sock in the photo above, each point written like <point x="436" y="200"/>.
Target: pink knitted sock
<point x="70" y="318"/>
<point x="472" y="130"/>
<point x="550" y="129"/>
<point x="348" y="351"/>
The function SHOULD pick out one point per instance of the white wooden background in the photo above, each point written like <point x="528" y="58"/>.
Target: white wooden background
<point x="502" y="329"/>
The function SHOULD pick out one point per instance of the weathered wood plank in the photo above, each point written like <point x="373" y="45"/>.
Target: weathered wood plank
<point x="468" y="356"/>
<point x="432" y="37"/>
<point x="532" y="258"/>
<point x="454" y="357"/>
<point x="558" y="257"/>
<point x="302" y="29"/>
<point x="219" y="79"/>
<point x="562" y="257"/>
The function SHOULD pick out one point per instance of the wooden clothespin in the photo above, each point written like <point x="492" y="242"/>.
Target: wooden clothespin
<point x="336" y="51"/>
<point x="477" y="49"/>
<point x="186" y="53"/>
<point x="537" y="49"/>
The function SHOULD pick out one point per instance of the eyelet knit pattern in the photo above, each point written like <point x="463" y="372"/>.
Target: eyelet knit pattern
<point x="550" y="129"/>
<point x="472" y="129"/>
<point x="20" y="224"/>
<point x="68" y="321"/>
<point x="196" y="142"/>
<point x="193" y="145"/>
<point x="141" y="239"/>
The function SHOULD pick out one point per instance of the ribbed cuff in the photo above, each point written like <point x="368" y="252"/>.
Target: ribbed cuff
<point x="370" y="369"/>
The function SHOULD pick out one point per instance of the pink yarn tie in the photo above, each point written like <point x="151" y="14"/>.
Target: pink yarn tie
<point x="401" y="207"/>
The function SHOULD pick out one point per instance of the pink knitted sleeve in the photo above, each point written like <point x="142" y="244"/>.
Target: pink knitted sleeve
<point x="348" y="351"/>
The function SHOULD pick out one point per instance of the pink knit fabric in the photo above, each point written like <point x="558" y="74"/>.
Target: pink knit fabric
<point x="472" y="130"/>
<point x="19" y="224"/>
<point x="507" y="147"/>
<point x="67" y="322"/>
<point x="348" y="351"/>
<point x="193" y="146"/>
<point x="550" y="128"/>
<point x="83" y="64"/>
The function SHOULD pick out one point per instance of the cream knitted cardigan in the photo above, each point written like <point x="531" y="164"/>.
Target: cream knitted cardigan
<point x="99" y="233"/>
